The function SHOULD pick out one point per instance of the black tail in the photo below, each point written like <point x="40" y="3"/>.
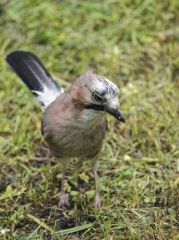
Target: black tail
<point x="32" y="72"/>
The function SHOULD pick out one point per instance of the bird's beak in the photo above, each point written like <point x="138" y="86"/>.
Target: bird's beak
<point x="115" y="112"/>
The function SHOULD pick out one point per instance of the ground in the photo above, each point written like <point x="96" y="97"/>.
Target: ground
<point x="135" y="44"/>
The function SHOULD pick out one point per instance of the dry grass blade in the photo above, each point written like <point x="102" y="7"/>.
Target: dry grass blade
<point x="40" y="223"/>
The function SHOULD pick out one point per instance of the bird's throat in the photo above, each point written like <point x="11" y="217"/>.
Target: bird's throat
<point x="91" y="118"/>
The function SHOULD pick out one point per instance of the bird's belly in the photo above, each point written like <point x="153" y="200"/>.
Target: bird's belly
<point x="78" y="142"/>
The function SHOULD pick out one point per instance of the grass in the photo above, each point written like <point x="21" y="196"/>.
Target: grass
<point x="132" y="42"/>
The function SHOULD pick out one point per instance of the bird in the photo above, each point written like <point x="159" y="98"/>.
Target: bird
<point x="74" y="122"/>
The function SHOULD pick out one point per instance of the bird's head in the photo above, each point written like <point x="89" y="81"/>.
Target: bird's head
<point x="98" y="93"/>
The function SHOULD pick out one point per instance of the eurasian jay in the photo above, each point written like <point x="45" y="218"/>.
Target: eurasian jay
<point x="74" y="122"/>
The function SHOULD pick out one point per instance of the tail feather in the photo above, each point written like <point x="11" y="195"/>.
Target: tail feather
<point x="32" y="72"/>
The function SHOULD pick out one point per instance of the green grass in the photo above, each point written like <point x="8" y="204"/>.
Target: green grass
<point x="132" y="42"/>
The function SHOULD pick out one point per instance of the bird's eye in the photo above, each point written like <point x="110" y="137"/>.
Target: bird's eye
<point x="98" y="98"/>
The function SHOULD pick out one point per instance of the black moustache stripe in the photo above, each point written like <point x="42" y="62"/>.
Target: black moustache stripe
<point x="95" y="107"/>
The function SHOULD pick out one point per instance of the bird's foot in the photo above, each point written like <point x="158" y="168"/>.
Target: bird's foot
<point x="64" y="200"/>
<point x="97" y="201"/>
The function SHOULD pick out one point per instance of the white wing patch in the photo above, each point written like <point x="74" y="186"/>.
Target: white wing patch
<point x="47" y="96"/>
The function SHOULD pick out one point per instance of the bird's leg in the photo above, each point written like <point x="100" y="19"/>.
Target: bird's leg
<point x="64" y="197"/>
<point x="97" y="198"/>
